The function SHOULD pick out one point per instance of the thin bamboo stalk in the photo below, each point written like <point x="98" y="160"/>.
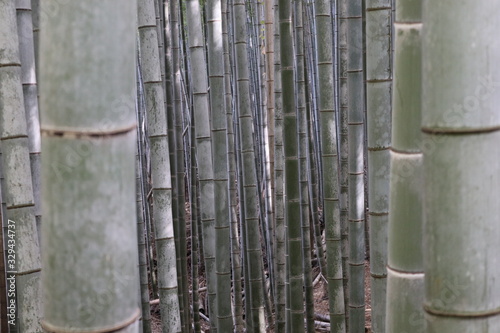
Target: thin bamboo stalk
<point x="235" y="234"/>
<point x="160" y="167"/>
<point x="356" y="135"/>
<point x="141" y="244"/>
<point x="303" y="137"/>
<point x="30" y="94"/>
<point x="220" y="159"/>
<point x="249" y="180"/>
<point x="21" y="238"/>
<point x="203" y="148"/>
<point x="279" y="207"/>
<point x="343" y="103"/>
<point x="290" y="147"/>
<point x="177" y="107"/>
<point x="195" y="221"/>
<point x="330" y="158"/>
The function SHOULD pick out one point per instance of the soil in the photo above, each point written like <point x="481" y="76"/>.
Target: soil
<point x="320" y="295"/>
<point x="320" y="304"/>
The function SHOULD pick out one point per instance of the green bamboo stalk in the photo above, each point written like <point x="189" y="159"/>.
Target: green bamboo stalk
<point x="279" y="200"/>
<point x="405" y="282"/>
<point x="160" y="167"/>
<point x="343" y="146"/>
<point x="270" y="103"/>
<point x="330" y="158"/>
<point x="249" y="180"/>
<point x="195" y="219"/>
<point x="4" y="324"/>
<point x="35" y="14"/>
<point x="220" y="159"/>
<point x="177" y="198"/>
<point x="356" y="166"/>
<point x="239" y="323"/>
<point x="203" y="148"/>
<point x="460" y="122"/>
<point x="313" y="146"/>
<point x="303" y="137"/>
<point x="142" y="235"/>
<point x="141" y="244"/>
<point x="290" y="147"/>
<point x="242" y="216"/>
<point x="30" y="94"/>
<point x="89" y="236"/>
<point x="378" y="90"/>
<point x="145" y="171"/>
<point x="22" y="245"/>
<point x="179" y="155"/>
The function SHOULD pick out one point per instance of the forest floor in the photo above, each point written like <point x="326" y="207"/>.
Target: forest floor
<point x="320" y="294"/>
<point x="320" y="304"/>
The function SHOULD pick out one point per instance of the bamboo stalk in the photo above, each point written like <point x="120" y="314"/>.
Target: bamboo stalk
<point x="405" y="259"/>
<point x="203" y="148"/>
<point x="356" y="132"/>
<point x="460" y="122"/>
<point x="160" y="166"/>
<point x="89" y="134"/>
<point x="249" y="175"/>
<point x="21" y="242"/>
<point x="378" y="91"/>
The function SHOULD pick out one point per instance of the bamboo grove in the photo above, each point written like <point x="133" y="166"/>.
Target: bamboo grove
<point x="226" y="162"/>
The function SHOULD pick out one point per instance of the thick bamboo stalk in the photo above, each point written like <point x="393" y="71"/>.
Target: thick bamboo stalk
<point x="21" y="242"/>
<point x="378" y="91"/>
<point x="89" y="134"/>
<point x="160" y="167"/>
<point x="405" y="265"/>
<point x="460" y="122"/>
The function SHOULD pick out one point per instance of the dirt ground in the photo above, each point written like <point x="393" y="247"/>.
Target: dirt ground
<point x="320" y="304"/>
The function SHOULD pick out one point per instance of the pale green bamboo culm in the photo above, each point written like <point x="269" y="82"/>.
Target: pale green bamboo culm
<point x="30" y="93"/>
<point x="330" y="159"/>
<point x="355" y="85"/>
<point x="220" y="165"/>
<point x="160" y="167"/>
<point x="461" y="126"/>
<point x="405" y="279"/>
<point x="343" y="102"/>
<point x="253" y="260"/>
<point x="304" y="170"/>
<point x="378" y="95"/>
<point x="17" y="188"/>
<point x="201" y="117"/>
<point x="89" y="236"/>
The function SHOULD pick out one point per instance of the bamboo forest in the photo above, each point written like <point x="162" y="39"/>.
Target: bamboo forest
<point x="256" y="166"/>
